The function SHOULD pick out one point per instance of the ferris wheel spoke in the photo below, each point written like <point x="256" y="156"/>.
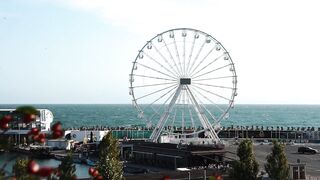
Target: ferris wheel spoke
<point x="195" y="59"/>
<point x="178" y="104"/>
<point x="190" y="113"/>
<point x="154" y="110"/>
<point x="214" y="119"/>
<point x="163" y="95"/>
<point x="171" y="96"/>
<point x="182" y="109"/>
<point x="210" y="114"/>
<point x="163" y="104"/>
<point x="197" y="107"/>
<point x="155" y="70"/>
<point x="221" y="77"/>
<point x="184" y="55"/>
<point x="189" y="108"/>
<point x="209" y="100"/>
<point x="196" y="97"/>
<point x="154" y="115"/>
<point x="177" y="53"/>
<point x="174" y="117"/>
<point x="204" y="67"/>
<point x="212" y="71"/>
<point x="154" y="60"/>
<point x="223" y="87"/>
<point x="165" y="59"/>
<point x="149" y="85"/>
<point x="172" y="59"/>
<point x="154" y="92"/>
<point x="191" y="52"/>
<point x="200" y="94"/>
<point x="222" y="97"/>
<point x="204" y="107"/>
<point x="203" y="59"/>
<point x="152" y="77"/>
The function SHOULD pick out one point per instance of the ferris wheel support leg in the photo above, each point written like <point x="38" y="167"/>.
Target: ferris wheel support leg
<point x="158" y="129"/>
<point x="202" y="117"/>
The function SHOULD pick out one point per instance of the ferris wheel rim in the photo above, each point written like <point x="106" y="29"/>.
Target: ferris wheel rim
<point x="234" y="88"/>
<point x="192" y="29"/>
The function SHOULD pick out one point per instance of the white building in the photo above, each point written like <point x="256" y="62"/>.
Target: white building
<point x="43" y="122"/>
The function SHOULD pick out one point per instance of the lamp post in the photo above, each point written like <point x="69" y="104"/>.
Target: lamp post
<point x="300" y="138"/>
<point x="19" y="134"/>
<point x="205" y="169"/>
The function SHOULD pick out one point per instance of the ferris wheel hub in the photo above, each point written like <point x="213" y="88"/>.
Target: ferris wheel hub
<point x="185" y="81"/>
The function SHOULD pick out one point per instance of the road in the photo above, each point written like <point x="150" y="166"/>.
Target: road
<point x="262" y="150"/>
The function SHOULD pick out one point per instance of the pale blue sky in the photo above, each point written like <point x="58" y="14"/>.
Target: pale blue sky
<point x="81" y="51"/>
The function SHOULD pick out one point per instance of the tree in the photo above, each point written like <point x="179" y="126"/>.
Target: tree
<point x="277" y="165"/>
<point x="20" y="170"/>
<point x="2" y="174"/>
<point x="5" y="143"/>
<point x="67" y="168"/>
<point x="246" y="167"/>
<point x="109" y="165"/>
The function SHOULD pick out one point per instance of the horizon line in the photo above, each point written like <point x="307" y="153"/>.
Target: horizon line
<point x="146" y="104"/>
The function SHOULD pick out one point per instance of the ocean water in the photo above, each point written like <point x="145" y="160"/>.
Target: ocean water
<point x="74" y="115"/>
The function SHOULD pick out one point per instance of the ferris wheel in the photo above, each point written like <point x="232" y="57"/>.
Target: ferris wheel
<point x="183" y="82"/>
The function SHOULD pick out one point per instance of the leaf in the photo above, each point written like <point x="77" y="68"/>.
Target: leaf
<point x="27" y="110"/>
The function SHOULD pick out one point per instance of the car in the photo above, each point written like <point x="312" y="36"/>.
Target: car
<point x="305" y="149"/>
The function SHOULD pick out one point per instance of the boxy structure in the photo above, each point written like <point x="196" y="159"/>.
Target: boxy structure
<point x="297" y="171"/>
<point x="173" y="156"/>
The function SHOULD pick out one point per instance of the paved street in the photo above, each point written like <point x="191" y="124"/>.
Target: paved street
<point x="261" y="151"/>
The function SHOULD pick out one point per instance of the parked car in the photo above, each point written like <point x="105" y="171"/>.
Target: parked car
<point x="305" y="149"/>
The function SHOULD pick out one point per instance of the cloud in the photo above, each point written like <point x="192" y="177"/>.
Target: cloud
<point x="273" y="43"/>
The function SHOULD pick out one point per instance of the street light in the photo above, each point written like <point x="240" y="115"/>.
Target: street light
<point x="205" y="169"/>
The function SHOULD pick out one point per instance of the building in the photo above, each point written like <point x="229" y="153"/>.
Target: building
<point x="172" y="156"/>
<point x="19" y="130"/>
<point x="297" y="171"/>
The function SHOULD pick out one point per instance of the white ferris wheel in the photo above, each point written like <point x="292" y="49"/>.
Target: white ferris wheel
<point x="183" y="81"/>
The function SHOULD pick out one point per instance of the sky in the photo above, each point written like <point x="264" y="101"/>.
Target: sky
<point x="81" y="51"/>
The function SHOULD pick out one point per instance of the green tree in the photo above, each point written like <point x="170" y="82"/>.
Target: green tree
<point x="277" y="165"/>
<point x="246" y="168"/>
<point x="20" y="171"/>
<point x="67" y="168"/>
<point x="1" y="174"/>
<point x="109" y="165"/>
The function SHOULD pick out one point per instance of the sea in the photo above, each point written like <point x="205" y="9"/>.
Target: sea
<point x="114" y="115"/>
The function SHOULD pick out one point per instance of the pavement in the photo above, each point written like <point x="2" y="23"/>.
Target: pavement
<point x="262" y="150"/>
